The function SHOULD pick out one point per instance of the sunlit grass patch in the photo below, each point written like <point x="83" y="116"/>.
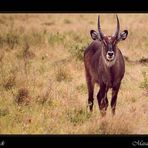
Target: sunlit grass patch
<point x="144" y="84"/>
<point x="23" y="96"/>
<point x="42" y="78"/>
<point x="62" y="74"/>
<point x="78" y="116"/>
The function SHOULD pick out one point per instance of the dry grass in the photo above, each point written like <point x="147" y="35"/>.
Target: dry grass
<point x="42" y="82"/>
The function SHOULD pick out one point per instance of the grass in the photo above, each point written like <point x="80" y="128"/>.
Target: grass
<point x="42" y="79"/>
<point x="77" y="51"/>
<point x="144" y="84"/>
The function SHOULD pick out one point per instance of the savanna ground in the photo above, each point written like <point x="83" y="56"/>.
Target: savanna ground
<point x="42" y="79"/>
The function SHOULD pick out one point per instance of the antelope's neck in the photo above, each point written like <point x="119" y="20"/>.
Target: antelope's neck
<point x="108" y="75"/>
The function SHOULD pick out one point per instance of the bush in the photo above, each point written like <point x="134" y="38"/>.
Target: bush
<point x="143" y="60"/>
<point x="78" y="116"/>
<point x="67" y="21"/>
<point x="62" y="74"/>
<point x="82" y="88"/>
<point x="23" y="96"/>
<point x="10" y="82"/>
<point x="4" y="112"/>
<point x="10" y="39"/>
<point x="144" y="84"/>
<point x="55" y="38"/>
<point x="77" y="51"/>
<point x="25" y="53"/>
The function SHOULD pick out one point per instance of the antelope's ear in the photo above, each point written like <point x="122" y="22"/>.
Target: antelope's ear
<point x="123" y="35"/>
<point x="94" y="34"/>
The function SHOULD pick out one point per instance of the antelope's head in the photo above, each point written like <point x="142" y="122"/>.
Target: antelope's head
<point x="109" y="43"/>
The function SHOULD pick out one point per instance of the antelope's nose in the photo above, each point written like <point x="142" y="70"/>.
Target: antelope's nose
<point x="110" y="53"/>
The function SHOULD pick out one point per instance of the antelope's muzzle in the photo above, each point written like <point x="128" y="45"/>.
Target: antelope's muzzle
<point x="110" y="55"/>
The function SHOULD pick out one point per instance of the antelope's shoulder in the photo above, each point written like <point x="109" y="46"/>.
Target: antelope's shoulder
<point x="93" y="47"/>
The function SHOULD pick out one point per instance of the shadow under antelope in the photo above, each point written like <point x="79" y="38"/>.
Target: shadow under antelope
<point x="104" y="65"/>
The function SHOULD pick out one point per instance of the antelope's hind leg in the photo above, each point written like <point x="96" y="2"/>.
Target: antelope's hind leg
<point x="90" y="95"/>
<point x="90" y="87"/>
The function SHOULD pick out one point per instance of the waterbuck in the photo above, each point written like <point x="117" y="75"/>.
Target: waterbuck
<point x="104" y="65"/>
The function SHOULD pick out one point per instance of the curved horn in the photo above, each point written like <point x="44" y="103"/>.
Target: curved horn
<point x="99" y="28"/>
<point x="118" y="27"/>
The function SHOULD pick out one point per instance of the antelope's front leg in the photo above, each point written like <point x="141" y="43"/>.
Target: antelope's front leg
<point x="115" y="91"/>
<point x="102" y="99"/>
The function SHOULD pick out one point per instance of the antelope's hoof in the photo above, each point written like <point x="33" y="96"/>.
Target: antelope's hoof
<point x="103" y="113"/>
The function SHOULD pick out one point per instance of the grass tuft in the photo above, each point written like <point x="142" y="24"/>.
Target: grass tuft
<point x="22" y="97"/>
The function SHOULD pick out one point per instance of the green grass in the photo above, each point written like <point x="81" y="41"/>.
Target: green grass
<point x="42" y="80"/>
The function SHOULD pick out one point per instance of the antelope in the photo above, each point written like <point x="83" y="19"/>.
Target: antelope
<point x="105" y="66"/>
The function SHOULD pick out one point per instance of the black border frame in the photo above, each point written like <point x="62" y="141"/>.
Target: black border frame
<point x="74" y="140"/>
<point x="75" y="6"/>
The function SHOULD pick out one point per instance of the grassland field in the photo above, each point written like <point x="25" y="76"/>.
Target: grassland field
<point x="42" y="80"/>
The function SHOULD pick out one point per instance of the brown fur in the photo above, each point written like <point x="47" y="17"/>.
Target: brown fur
<point x="107" y="76"/>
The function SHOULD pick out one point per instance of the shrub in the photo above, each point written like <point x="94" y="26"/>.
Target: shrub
<point x="55" y="38"/>
<point x="23" y="96"/>
<point x="67" y="21"/>
<point x="118" y="125"/>
<point x="10" y="39"/>
<point x="78" y="115"/>
<point x="144" y="84"/>
<point x="10" y="82"/>
<point x="62" y="74"/>
<point x="77" y="51"/>
<point x="4" y="112"/>
<point x="82" y="88"/>
<point x="143" y="60"/>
